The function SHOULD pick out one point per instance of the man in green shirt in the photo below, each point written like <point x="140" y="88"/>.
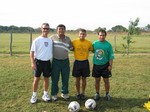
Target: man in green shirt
<point x="102" y="63"/>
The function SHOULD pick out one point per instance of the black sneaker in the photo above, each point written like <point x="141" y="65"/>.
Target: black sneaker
<point x="107" y="97"/>
<point x="83" y="97"/>
<point x="78" y="96"/>
<point x="96" y="97"/>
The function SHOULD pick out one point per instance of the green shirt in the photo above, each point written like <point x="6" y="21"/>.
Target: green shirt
<point x="103" y="52"/>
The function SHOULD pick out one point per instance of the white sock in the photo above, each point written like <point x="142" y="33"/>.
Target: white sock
<point x="45" y="92"/>
<point x="34" y="93"/>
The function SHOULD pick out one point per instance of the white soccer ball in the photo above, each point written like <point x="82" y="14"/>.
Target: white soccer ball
<point x="74" y="106"/>
<point x="90" y="104"/>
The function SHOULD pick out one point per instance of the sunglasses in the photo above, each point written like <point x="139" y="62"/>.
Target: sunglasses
<point x="45" y="28"/>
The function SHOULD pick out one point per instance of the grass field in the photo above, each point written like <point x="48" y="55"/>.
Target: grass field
<point x="129" y="84"/>
<point x="21" y="42"/>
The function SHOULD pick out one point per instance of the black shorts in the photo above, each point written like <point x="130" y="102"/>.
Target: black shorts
<point x="42" y="67"/>
<point x="81" y="68"/>
<point x="101" y="70"/>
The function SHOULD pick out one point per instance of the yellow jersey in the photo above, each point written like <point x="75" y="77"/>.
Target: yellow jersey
<point x="81" y="49"/>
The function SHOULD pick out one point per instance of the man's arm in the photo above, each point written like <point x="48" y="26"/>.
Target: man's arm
<point x="33" y="66"/>
<point x="110" y="65"/>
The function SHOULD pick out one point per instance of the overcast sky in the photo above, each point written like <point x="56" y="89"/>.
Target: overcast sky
<point x="88" y="14"/>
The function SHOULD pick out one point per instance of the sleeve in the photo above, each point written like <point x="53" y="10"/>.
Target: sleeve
<point x="91" y="47"/>
<point x="111" y="53"/>
<point x="33" y="46"/>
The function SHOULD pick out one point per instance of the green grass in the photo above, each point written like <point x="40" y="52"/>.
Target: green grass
<point x="21" y="42"/>
<point x="129" y="83"/>
<point x="129" y="86"/>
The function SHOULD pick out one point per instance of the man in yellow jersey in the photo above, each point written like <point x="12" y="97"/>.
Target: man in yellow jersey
<point x="81" y="67"/>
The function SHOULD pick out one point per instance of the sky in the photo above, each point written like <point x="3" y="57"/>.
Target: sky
<point x="74" y="14"/>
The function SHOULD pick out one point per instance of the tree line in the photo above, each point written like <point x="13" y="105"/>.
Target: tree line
<point x="117" y="28"/>
<point x="15" y="29"/>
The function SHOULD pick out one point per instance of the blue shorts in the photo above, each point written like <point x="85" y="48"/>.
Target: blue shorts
<point x="42" y="67"/>
<point x="101" y="71"/>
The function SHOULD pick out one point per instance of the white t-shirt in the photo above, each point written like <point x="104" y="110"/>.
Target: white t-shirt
<point x="42" y="48"/>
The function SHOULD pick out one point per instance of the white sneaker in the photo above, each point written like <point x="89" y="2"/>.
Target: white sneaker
<point x="65" y="96"/>
<point x="33" y="99"/>
<point x="54" y="97"/>
<point x="46" y="98"/>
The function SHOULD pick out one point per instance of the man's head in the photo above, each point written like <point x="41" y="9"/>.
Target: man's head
<point x="102" y="35"/>
<point x="61" y="29"/>
<point x="82" y="34"/>
<point x="45" y="29"/>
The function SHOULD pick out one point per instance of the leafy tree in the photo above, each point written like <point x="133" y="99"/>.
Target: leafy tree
<point x="132" y="29"/>
<point x="15" y="29"/>
<point x="119" y="28"/>
<point x="96" y="30"/>
<point x="148" y="27"/>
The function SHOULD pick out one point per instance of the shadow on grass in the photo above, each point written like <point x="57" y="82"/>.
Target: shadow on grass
<point x="114" y="105"/>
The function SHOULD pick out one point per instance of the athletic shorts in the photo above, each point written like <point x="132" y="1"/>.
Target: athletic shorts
<point x="81" y="68"/>
<point x="42" y="67"/>
<point x="101" y="71"/>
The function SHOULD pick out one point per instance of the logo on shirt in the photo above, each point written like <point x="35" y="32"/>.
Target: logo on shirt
<point x="46" y="44"/>
<point x="99" y="54"/>
<point x="81" y="50"/>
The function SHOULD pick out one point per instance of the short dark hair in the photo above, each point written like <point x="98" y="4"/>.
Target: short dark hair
<point x="102" y="31"/>
<point x="82" y="30"/>
<point x="61" y="25"/>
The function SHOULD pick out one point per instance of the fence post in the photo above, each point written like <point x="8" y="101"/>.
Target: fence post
<point x="30" y="40"/>
<point x="10" y="43"/>
<point x="115" y="41"/>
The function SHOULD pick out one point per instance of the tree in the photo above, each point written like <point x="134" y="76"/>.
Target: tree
<point x="96" y="30"/>
<point x="148" y="27"/>
<point x="132" y="29"/>
<point x="119" y="28"/>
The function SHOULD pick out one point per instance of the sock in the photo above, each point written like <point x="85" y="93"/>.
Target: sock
<point x="45" y="92"/>
<point x="78" y="93"/>
<point x="107" y="93"/>
<point x="97" y="92"/>
<point x="34" y="93"/>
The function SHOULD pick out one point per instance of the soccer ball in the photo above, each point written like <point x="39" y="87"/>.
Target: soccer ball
<point x="74" y="106"/>
<point x="90" y="104"/>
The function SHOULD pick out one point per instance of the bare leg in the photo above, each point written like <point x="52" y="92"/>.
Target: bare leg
<point x="46" y="83"/>
<point x="78" y="85"/>
<point x="83" y="85"/>
<point x="35" y="83"/>
<point x="107" y="84"/>
<point x="97" y="84"/>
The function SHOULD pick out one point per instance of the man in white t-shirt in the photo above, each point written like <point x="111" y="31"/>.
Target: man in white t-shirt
<point x="41" y="54"/>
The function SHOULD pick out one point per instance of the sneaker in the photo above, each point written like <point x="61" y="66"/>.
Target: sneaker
<point x="107" y="97"/>
<point x="65" y="96"/>
<point x="83" y="97"/>
<point x="97" y="96"/>
<point x="33" y="99"/>
<point x="46" y="98"/>
<point x="54" y="98"/>
<point x="78" y="96"/>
